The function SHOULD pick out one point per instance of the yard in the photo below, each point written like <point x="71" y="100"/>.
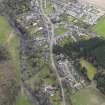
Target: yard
<point x="91" y="70"/>
<point x="88" y="96"/>
<point x="99" y="28"/>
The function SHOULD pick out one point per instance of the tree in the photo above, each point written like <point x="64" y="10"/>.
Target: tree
<point x="100" y="79"/>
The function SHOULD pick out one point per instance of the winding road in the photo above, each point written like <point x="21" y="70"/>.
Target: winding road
<point x="51" y="52"/>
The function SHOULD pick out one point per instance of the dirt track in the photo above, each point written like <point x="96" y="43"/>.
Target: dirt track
<point x="98" y="3"/>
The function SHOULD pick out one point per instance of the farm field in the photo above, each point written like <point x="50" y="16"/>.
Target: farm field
<point x="91" y="70"/>
<point x="88" y="96"/>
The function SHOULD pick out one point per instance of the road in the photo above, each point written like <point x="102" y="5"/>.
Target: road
<point x="51" y="53"/>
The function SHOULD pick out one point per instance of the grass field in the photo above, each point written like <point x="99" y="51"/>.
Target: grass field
<point x="60" y="31"/>
<point x="91" y="70"/>
<point x="99" y="28"/>
<point x="88" y="96"/>
<point x="5" y="29"/>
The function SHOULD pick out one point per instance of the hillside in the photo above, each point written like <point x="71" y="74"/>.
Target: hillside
<point x="9" y="66"/>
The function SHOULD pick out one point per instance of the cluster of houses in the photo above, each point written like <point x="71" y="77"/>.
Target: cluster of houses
<point x="33" y="22"/>
<point x="69" y="75"/>
<point x="82" y="11"/>
<point x="89" y="15"/>
<point x="74" y="32"/>
<point x="85" y="12"/>
<point x="49" y="89"/>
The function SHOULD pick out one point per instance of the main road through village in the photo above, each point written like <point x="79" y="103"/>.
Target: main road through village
<point x="51" y="33"/>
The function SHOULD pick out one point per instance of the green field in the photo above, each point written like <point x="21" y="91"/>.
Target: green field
<point x="5" y="29"/>
<point x="60" y="31"/>
<point x="99" y="28"/>
<point x="91" y="70"/>
<point x="88" y="96"/>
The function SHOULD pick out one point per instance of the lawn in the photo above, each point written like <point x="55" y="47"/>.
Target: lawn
<point x="88" y="96"/>
<point x="60" y="31"/>
<point x="5" y="29"/>
<point x="91" y="70"/>
<point x="99" y="28"/>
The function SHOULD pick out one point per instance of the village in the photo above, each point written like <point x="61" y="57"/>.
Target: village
<point x="57" y="64"/>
